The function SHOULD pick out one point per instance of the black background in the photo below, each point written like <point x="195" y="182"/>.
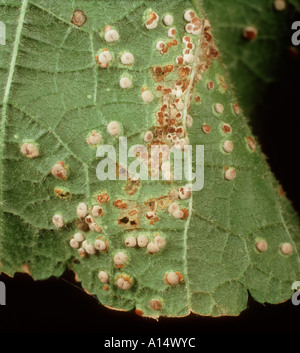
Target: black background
<point x="61" y="306"/>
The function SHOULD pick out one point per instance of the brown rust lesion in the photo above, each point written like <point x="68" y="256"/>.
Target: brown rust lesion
<point x="79" y="18"/>
<point x="159" y="73"/>
<point x="102" y="198"/>
<point x="62" y="193"/>
<point x="129" y="217"/>
<point x="132" y="186"/>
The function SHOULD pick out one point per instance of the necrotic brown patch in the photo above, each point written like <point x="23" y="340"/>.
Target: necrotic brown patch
<point x="79" y="18"/>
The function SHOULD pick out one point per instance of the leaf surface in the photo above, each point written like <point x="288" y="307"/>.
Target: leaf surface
<point x="54" y="95"/>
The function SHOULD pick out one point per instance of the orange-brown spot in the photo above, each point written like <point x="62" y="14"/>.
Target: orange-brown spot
<point x="179" y="60"/>
<point x="206" y="128"/>
<point x="132" y="213"/>
<point x="189" y="27"/>
<point x="184" y="71"/>
<point x="197" y="99"/>
<point x="213" y="53"/>
<point x="197" y="21"/>
<point x="160" y="114"/>
<point x="210" y="85"/>
<point x="167" y="90"/>
<point x="79" y="18"/>
<point x="119" y="266"/>
<point x="185" y="85"/>
<point x="251" y="143"/>
<point x="105" y="287"/>
<point x="236" y="109"/>
<point x="226" y="128"/>
<point x="119" y="204"/>
<point x="155" y="304"/>
<point x="192" y="15"/>
<point x="62" y="194"/>
<point x="179" y="130"/>
<point x="160" y="72"/>
<point x="102" y="198"/>
<point x="250" y="33"/>
<point x="180" y="276"/>
<point x="139" y="312"/>
<point x="208" y="37"/>
<point x="185" y="213"/>
<point x="169" y="68"/>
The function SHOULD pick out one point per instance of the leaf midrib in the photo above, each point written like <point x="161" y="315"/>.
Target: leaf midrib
<point x="186" y="227"/>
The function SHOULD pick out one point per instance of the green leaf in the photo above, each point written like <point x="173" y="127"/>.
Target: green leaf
<point x="56" y="103"/>
<point x="254" y="65"/>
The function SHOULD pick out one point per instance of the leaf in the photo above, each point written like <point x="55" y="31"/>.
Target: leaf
<point x="254" y="65"/>
<point x="57" y="106"/>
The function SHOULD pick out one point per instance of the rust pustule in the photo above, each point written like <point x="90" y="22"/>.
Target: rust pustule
<point x="79" y="18"/>
<point x="120" y="204"/>
<point x="129" y="218"/>
<point x="184" y="71"/>
<point x="62" y="193"/>
<point x="102" y="198"/>
<point x="160" y="72"/>
<point x="213" y="53"/>
<point x="185" y="213"/>
<point x="139" y="312"/>
<point x="226" y="128"/>
<point x="250" y="33"/>
<point x="206" y="128"/>
<point x="155" y="304"/>
<point x="251" y="143"/>
<point x="210" y="85"/>
<point x="197" y="99"/>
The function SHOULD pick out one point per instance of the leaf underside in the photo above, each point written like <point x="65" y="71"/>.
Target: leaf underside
<point x="54" y="94"/>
